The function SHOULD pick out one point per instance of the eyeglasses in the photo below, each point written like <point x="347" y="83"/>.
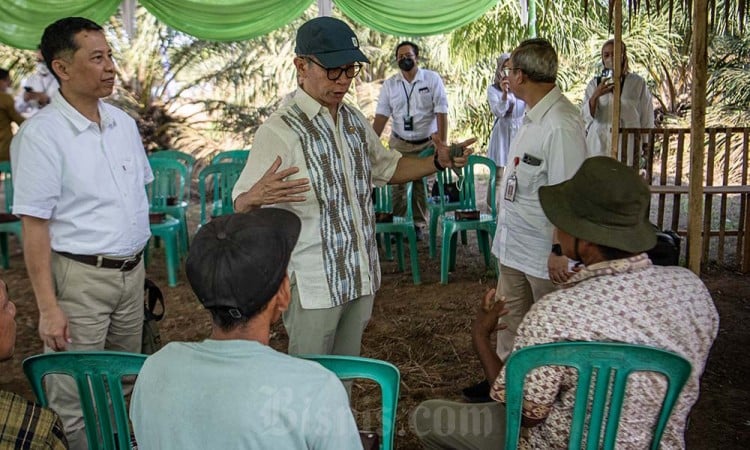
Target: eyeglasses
<point x="334" y="73"/>
<point x="508" y="70"/>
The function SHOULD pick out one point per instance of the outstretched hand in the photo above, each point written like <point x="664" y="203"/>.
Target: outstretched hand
<point x="273" y="188"/>
<point x="444" y="154"/>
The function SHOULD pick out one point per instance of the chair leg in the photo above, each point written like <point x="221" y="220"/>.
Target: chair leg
<point x="412" y="235"/>
<point x="400" y="251"/>
<point x="172" y="253"/>
<point x="484" y="247"/>
<point x="387" y="246"/>
<point x="463" y="237"/>
<point x="445" y="255"/>
<point x="4" y="250"/>
<point x="433" y="234"/>
<point x="454" y="244"/>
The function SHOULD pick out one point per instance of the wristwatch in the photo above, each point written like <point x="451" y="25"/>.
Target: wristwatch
<point x="557" y="250"/>
<point x="437" y="164"/>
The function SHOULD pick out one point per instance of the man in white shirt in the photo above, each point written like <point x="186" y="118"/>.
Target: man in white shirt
<point x="415" y="98"/>
<point x="38" y="88"/>
<point x="316" y="142"/>
<point x="548" y="149"/>
<point x="79" y="170"/>
<point x="239" y="392"/>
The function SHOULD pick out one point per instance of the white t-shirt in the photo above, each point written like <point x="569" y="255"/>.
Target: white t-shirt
<point x="238" y="394"/>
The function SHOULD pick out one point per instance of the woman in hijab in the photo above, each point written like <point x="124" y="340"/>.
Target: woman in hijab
<point x="508" y="112"/>
<point x="636" y="109"/>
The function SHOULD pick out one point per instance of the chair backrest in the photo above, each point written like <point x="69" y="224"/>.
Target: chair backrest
<point x="233" y="156"/>
<point x="7" y="180"/>
<point x="468" y="190"/>
<point x="442" y="178"/>
<point x="169" y="187"/>
<point x="222" y="177"/>
<point x="611" y="364"/>
<point x="98" y="376"/>
<point x="383" y="201"/>
<point x="383" y="373"/>
<point x="185" y="158"/>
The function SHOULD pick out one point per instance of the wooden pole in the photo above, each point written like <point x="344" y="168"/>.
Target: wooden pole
<point x="617" y="66"/>
<point x="699" y="63"/>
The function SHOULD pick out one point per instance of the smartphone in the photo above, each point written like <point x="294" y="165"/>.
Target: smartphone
<point x="28" y="89"/>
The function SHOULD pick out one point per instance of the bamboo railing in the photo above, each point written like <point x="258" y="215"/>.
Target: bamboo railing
<point x="666" y="167"/>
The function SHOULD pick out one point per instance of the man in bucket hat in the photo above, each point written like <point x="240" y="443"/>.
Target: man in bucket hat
<point x="317" y="143"/>
<point x="232" y="390"/>
<point x="617" y="295"/>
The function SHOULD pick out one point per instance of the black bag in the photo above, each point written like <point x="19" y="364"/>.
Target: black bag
<point x="450" y="189"/>
<point x="151" y="342"/>
<point x="667" y="249"/>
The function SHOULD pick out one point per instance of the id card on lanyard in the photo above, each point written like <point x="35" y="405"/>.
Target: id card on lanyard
<point x="510" y="185"/>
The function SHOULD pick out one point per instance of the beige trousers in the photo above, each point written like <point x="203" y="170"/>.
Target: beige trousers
<point x="328" y="331"/>
<point x="418" y="198"/>
<point x="520" y="291"/>
<point x="105" y="311"/>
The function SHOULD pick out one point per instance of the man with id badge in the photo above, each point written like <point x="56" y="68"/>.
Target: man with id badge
<point x="415" y="98"/>
<point x="548" y="149"/>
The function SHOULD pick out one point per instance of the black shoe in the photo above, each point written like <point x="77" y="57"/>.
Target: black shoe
<point x="477" y="393"/>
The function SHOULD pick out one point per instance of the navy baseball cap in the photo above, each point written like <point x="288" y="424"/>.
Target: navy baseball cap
<point x="330" y="40"/>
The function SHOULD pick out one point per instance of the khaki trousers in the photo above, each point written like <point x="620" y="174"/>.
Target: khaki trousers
<point x="418" y="199"/>
<point x="443" y="424"/>
<point x="328" y="331"/>
<point x="521" y="291"/>
<point x="105" y="311"/>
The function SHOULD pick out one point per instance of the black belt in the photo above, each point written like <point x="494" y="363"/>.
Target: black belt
<point x="417" y="142"/>
<point x="125" y="265"/>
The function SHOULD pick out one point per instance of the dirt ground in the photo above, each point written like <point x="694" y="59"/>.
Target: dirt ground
<point x="424" y="331"/>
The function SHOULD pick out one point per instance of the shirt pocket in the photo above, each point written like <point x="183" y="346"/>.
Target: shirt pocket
<point x="529" y="176"/>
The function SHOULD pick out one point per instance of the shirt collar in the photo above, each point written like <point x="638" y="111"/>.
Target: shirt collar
<point x="78" y="120"/>
<point x="418" y="77"/>
<point x="613" y="267"/>
<point x="536" y="113"/>
<point x="309" y="105"/>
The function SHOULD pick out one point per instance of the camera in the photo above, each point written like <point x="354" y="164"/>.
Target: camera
<point x="28" y="89"/>
<point x="456" y="151"/>
<point x="607" y="76"/>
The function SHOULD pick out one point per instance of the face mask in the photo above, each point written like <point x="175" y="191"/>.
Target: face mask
<point x="406" y="64"/>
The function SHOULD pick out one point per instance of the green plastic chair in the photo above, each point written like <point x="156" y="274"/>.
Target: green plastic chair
<point x="188" y="161"/>
<point x="232" y="156"/>
<point x="9" y="223"/>
<point x="401" y="226"/>
<point x="616" y="361"/>
<point x="384" y="373"/>
<point x="98" y="375"/>
<point x="222" y="177"/>
<point x="166" y="195"/>
<point x="438" y="206"/>
<point x="485" y="226"/>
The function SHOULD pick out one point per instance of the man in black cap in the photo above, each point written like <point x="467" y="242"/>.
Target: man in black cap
<point x="617" y="295"/>
<point x="327" y="147"/>
<point x="232" y="390"/>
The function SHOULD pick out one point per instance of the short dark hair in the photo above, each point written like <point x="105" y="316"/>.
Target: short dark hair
<point x="4" y="74"/>
<point x="59" y="38"/>
<point x="414" y="46"/>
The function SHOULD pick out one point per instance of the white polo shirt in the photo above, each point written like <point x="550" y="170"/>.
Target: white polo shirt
<point x="553" y="142"/>
<point x="89" y="182"/>
<point x="427" y="97"/>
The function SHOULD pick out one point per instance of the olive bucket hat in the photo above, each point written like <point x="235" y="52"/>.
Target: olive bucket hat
<point x="605" y="203"/>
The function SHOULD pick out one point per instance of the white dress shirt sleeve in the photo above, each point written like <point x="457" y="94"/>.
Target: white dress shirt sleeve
<point x="37" y="172"/>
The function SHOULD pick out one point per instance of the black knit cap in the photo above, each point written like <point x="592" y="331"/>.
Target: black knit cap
<point x="238" y="261"/>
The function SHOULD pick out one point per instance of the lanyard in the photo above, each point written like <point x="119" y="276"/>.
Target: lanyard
<point x="408" y="96"/>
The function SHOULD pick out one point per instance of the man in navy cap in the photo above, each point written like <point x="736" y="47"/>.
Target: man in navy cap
<point x="232" y="390"/>
<point x="319" y="158"/>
